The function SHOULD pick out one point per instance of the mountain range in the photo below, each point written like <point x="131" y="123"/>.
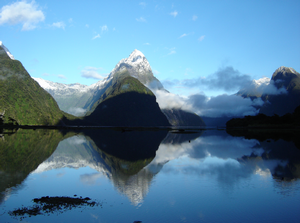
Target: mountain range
<point x="78" y="99"/>
<point x="124" y="98"/>
<point x="280" y="94"/>
<point x="121" y="99"/>
<point x="82" y="100"/>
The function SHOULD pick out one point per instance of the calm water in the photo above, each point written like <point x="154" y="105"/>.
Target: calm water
<point x="209" y="176"/>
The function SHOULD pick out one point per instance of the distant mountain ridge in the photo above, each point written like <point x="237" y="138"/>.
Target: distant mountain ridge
<point x="287" y="80"/>
<point x="280" y="94"/>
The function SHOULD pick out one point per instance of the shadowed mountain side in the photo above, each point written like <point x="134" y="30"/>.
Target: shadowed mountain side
<point x="178" y="117"/>
<point x="128" y="145"/>
<point x="127" y="103"/>
<point x="128" y="109"/>
<point x="281" y="94"/>
<point x="22" y="152"/>
<point x="280" y="104"/>
<point x="284" y="78"/>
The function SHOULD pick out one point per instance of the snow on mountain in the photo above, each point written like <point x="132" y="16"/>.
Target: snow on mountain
<point x="256" y="88"/>
<point x="7" y="51"/>
<point x="284" y="69"/>
<point x="62" y="88"/>
<point x="72" y="98"/>
<point x="263" y="80"/>
<point x="135" y="63"/>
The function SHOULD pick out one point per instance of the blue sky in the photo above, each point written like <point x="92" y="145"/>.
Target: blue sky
<point x="184" y="41"/>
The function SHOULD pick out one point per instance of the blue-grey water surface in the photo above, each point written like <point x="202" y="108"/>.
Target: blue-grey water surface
<point x="210" y="176"/>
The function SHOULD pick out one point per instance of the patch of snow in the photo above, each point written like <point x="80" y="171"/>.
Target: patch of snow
<point x="7" y="51"/>
<point x="286" y="69"/>
<point x="263" y="80"/>
<point x="136" y="61"/>
<point x="45" y="84"/>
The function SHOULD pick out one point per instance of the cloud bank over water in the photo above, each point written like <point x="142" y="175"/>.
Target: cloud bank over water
<point x="219" y="106"/>
<point x="227" y="79"/>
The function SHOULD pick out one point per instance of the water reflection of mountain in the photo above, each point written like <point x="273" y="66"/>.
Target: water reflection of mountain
<point x="131" y="159"/>
<point x="21" y="153"/>
<point x="119" y="155"/>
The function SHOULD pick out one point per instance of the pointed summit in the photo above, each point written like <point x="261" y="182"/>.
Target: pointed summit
<point x="138" y="67"/>
<point x="4" y="49"/>
<point x="136" y="56"/>
<point x="135" y="63"/>
<point x="284" y="72"/>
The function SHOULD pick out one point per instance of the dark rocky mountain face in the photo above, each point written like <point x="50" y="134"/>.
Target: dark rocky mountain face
<point x="284" y="96"/>
<point x="281" y="104"/>
<point x="127" y="102"/>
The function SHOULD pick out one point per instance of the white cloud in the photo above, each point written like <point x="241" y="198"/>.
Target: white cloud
<point x="223" y="105"/>
<point x="263" y="86"/>
<point x="167" y="100"/>
<point x="195" y="17"/>
<point x="104" y="28"/>
<point x="60" y="25"/>
<point x="97" y="36"/>
<point x="22" y="13"/>
<point x="226" y="78"/>
<point x="201" y="38"/>
<point x="175" y="13"/>
<point x="87" y="25"/>
<point x="91" y="72"/>
<point x="142" y="4"/>
<point x="61" y="76"/>
<point x="141" y="19"/>
<point x="70" y="20"/>
<point x="172" y="51"/>
<point x="219" y="106"/>
<point x="183" y="35"/>
<point x="147" y="44"/>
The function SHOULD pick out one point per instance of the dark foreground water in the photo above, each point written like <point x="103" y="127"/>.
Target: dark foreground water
<point x="147" y="176"/>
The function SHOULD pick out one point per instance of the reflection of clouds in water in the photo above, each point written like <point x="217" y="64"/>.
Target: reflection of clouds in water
<point x="90" y="179"/>
<point x="222" y="147"/>
<point x="215" y="154"/>
<point x="76" y="140"/>
<point x="168" y="152"/>
<point x="212" y="145"/>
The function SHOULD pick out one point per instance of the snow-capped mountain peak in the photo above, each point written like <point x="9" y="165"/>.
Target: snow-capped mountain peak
<point x="7" y="51"/>
<point x="136" y="56"/>
<point x="136" y="64"/>
<point x="285" y="69"/>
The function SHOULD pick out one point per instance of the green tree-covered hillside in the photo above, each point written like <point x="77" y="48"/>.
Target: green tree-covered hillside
<point x="22" y="99"/>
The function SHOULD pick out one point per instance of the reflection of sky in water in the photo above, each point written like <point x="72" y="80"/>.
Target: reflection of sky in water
<point x="204" y="180"/>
